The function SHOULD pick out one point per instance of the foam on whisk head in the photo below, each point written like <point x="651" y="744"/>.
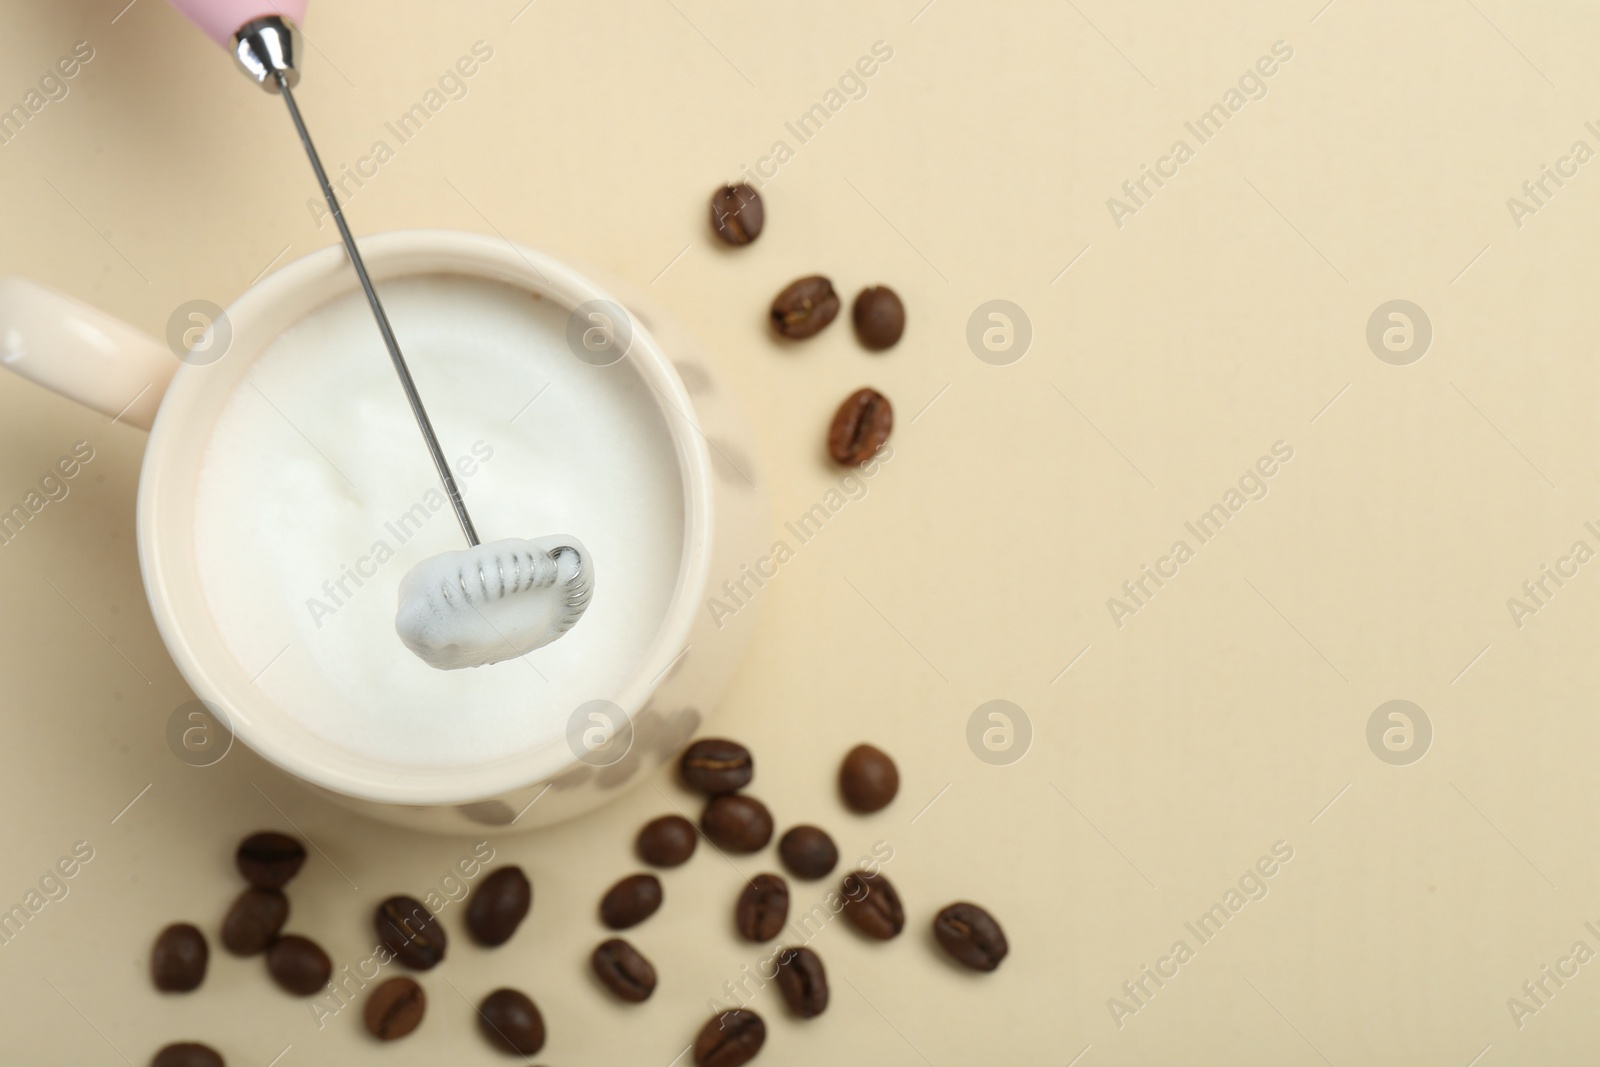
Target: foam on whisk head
<point x="493" y="602"/>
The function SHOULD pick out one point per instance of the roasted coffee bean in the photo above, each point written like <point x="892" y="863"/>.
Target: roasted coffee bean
<point x="188" y="1054"/>
<point x="868" y="779"/>
<point x="879" y="317"/>
<point x="763" y="908"/>
<point x="715" y="765"/>
<point x="410" y="931"/>
<point x="737" y="214"/>
<point x="394" y="1009"/>
<point x="298" y="965"/>
<point x="631" y="901"/>
<point x="971" y="936"/>
<point x="803" y="982"/>
<point x="667" y="841"/>
<point x="622" y="970"/>
<point x="254" y="920"/>
<point x="729" y="1039"/>
<point x="178" y="960"/>
<point x="804" y="307"/>
<point x="737" y="823"/>
<point x="511" y="1022"/>
<point x="860" y="427"/>
<point x="498" y="906"/>
<point x="872" y="905"/>
<point x="269" y="859"/>
<point x="808" y="852"/>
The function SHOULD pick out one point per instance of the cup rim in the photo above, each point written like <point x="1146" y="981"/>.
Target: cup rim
<point x="266" y="728"/>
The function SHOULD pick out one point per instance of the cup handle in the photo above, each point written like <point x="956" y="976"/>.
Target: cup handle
<point x="82" y="353"/>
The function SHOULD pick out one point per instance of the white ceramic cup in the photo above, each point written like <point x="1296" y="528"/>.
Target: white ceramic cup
<point x="122" y="372"/>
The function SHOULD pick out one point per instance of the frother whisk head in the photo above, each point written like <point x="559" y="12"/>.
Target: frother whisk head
<point x="493" y="602"/>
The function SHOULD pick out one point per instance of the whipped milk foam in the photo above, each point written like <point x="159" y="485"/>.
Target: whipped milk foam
<point x="316" y="496"/>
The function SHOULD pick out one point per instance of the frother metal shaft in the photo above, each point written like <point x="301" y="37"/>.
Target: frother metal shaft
<point x="415" y="399"/>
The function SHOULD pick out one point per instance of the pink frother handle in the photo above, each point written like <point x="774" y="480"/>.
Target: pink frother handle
<point x="221" y="19"/>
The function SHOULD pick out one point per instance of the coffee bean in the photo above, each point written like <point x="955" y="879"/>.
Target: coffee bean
<point x="269" y="859"/>
<point x="716" y="765"/>
<point x="808" y="852"/>
<point x="178" y="960"/>
<point x="298" y="965"/>
<point x="410" y="931"/>
<point x="879" y="317"/>
<point x="498" y="906"/>
<point x="511" y="1022"/>
<point x="729" y="1039"/>
<point x="737" y="214"/>
<point x="868" y="779"/>
<point x="860" y="427"/>
<point x="631" y="901"/>
<point x="872" y="905"/>
<point x="804" y="307"/>
<point x="667" y="841"/>
<point x="971" y="936"/>
<point x="803" y="982"/>
<point x="188" y="1054"/>
<point x="763" y="908"/>
<point x="254" y="920"/>
<point x="737" y="823"/>
<point x="622" y="970"/>
<point x="394" y="1009"/>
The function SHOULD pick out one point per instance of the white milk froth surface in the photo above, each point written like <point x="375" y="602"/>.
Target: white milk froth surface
<point x="317" y="495"/>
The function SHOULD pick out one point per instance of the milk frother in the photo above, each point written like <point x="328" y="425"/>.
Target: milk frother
<point x="497" y="581"/>
<point x="264" y="39"/>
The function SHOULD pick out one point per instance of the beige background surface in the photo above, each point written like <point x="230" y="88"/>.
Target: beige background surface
<point x="1167" y="755"/>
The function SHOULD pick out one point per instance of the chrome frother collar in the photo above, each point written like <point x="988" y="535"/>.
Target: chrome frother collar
<point x="267" y="47"/>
